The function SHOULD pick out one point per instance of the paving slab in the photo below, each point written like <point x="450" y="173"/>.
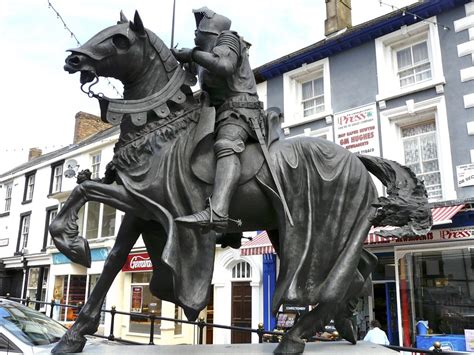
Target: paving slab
<point x="322" y="348"/>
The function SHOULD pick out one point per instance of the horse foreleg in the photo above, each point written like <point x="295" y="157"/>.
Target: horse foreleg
<point x="88" y="320"/>
<point x="64" y="229"/>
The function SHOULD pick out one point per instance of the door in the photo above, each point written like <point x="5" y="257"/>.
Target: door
<point x="210" y="317"/>
<point x="241" y="311"/>
<point x="385" y="309"/>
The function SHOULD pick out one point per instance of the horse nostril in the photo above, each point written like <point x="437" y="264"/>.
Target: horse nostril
<point x="73" y="60"/>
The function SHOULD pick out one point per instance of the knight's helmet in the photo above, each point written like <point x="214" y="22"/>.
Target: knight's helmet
<point x="208" y="21"/>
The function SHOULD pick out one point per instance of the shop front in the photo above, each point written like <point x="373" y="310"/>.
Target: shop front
<point x="137" y="298"/>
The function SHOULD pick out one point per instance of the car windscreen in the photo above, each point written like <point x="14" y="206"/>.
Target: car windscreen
<point x="30" y="326"/>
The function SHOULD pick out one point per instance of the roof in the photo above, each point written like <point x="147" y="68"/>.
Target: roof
<point x="57" y="153"/>
<point x="354" y="36"/>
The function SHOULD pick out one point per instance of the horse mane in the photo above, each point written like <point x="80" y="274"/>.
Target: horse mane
<point x="167" y="58"/>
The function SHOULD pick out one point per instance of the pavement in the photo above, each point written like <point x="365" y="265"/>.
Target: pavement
<point x="322" y="348"/>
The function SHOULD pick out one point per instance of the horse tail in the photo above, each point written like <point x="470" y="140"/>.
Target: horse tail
<point x="406" y="204"/>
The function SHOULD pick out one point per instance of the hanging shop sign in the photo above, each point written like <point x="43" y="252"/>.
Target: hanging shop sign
<point x="465" y="175"/>
<point x="137" y="298"/>
<point x="357" y="130"/>
<point x="138" y="262"/>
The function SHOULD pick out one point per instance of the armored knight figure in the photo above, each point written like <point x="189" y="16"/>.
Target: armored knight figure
<point x="225" y="75"/>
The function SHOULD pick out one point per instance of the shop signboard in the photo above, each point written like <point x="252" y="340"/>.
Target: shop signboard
<point x="465" y="175"/>
<point x="137" y="298"/>
<point x="438" y="235"/>
<point x="357" y="130"/>
<point x="137" y="262"/>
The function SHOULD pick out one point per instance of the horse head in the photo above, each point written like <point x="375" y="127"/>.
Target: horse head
<point x="125" y="51"/>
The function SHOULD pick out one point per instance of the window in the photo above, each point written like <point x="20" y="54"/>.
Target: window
<point x="29" y="187"/>
<point x="413" y="64"/>
<point x="95" y="164"/>
<point x="408" y="60"/>
<point x="24" y="231"/>
<point x="51" y="214"/>
<point x="96" y="220"/>
<point x="68" y="289"/>
<point x="307" y="95"/>
<point x="142" y="301"/>
<point x="417" y="135"/>
<point x="8" y="196"/>
<point x="438" y="286"/>
<point x="421" y="155"/>
<point x="178" y="326"/>
<point x="56" y="178"/>
<point x="313" y="96"/>
<point x="242" y="270"/>
<point x="34" y="285"/>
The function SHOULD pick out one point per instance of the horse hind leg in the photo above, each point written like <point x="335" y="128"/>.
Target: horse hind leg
<point x="306" y="326"/>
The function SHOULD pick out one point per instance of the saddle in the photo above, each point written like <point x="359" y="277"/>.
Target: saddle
<point x="203" y="160"/>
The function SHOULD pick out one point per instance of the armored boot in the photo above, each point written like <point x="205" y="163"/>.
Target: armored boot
<point x="215" y="215"/>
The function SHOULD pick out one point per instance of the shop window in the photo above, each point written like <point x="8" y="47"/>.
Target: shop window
<point x="68" y="289"/>
<point x="33" y="287"/>
<point x="242" y="270"/>
<point x="408" y="60"/>
<point x="437" y="286"/>
<point x="142" y="301"/>
<point x="8" y="196"/>
<point x="29" y="187"/>
<point x="23" y="233"/>
<point x="96" y="220"/>
<point x="93" y="278"/>
<point x="95" y="165"/>
<point x="420" y="149"/>
<point x="307" y="93"/>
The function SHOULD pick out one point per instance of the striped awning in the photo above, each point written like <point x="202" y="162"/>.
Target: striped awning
<point x="258" y="245"/>
<point x="262" y="245"/>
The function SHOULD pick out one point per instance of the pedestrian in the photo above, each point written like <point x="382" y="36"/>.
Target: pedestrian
<point x="376" y="335"/>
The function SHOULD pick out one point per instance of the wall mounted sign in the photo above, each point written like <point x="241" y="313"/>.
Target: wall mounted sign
<point x="465" y="175"/>
<point x="138" y="262"/>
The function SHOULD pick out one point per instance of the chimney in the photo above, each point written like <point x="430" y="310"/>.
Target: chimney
<point x="87" y="125"/>
<point x="338" y="16"/>
<point x="34" y="153"/>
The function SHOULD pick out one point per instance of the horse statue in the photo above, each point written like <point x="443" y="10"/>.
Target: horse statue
<point x="163" y="168"/>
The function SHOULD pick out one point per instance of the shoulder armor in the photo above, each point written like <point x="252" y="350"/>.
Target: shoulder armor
<point x="230" y="39"/>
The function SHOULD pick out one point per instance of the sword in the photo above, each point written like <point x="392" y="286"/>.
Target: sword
<point x="258" y="130"/>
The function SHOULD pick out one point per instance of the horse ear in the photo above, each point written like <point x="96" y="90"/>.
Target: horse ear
<point x="123" y="18"/>
<point x="137" y="24"/>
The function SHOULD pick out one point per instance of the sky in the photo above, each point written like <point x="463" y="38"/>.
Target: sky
<point x="39" y="99"/>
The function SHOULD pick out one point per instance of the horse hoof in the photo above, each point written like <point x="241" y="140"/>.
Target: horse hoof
<point x="346" y="330"/>
<point x="70" y="344"/>
<point x="290" y="345"/>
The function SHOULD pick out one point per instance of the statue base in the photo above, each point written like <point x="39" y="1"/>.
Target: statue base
<point x="320" y="348"/>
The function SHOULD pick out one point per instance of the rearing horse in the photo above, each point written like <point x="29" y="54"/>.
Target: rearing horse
<point x="163" y="167"/>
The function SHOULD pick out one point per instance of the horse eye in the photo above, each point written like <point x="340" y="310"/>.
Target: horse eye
<point x="120" y="41"/>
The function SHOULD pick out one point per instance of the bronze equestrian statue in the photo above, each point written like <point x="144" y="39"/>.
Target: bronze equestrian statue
<point x="164" y="167"/>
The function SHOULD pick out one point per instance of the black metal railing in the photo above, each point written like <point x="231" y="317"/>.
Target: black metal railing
<point x="201" y="325"/>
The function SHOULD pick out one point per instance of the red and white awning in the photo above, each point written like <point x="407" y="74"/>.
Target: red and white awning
<point x="262" y="245"/>
<point x="258" y="245"/>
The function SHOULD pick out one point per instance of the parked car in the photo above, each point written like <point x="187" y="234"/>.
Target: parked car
<point x="26" y="331"/>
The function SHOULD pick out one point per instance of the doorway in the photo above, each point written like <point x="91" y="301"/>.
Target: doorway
<point x="385" y="309"/>
<point x="210" y="317"/>
<point x="241" y="311"/>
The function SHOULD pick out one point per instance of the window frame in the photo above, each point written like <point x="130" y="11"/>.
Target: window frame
<point x="85" y="222"/>
<point x="386" y="48"/>
<point x="27" y="195"/>
<point x="54" y="177"/>
<point x="293" y="97"/>
<point x="8" y="196"/>
<point x="47" y="240"/>
<point x="26" y="216"/>
<point x="95" y="166"/>
<point x="412" y="113"/>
